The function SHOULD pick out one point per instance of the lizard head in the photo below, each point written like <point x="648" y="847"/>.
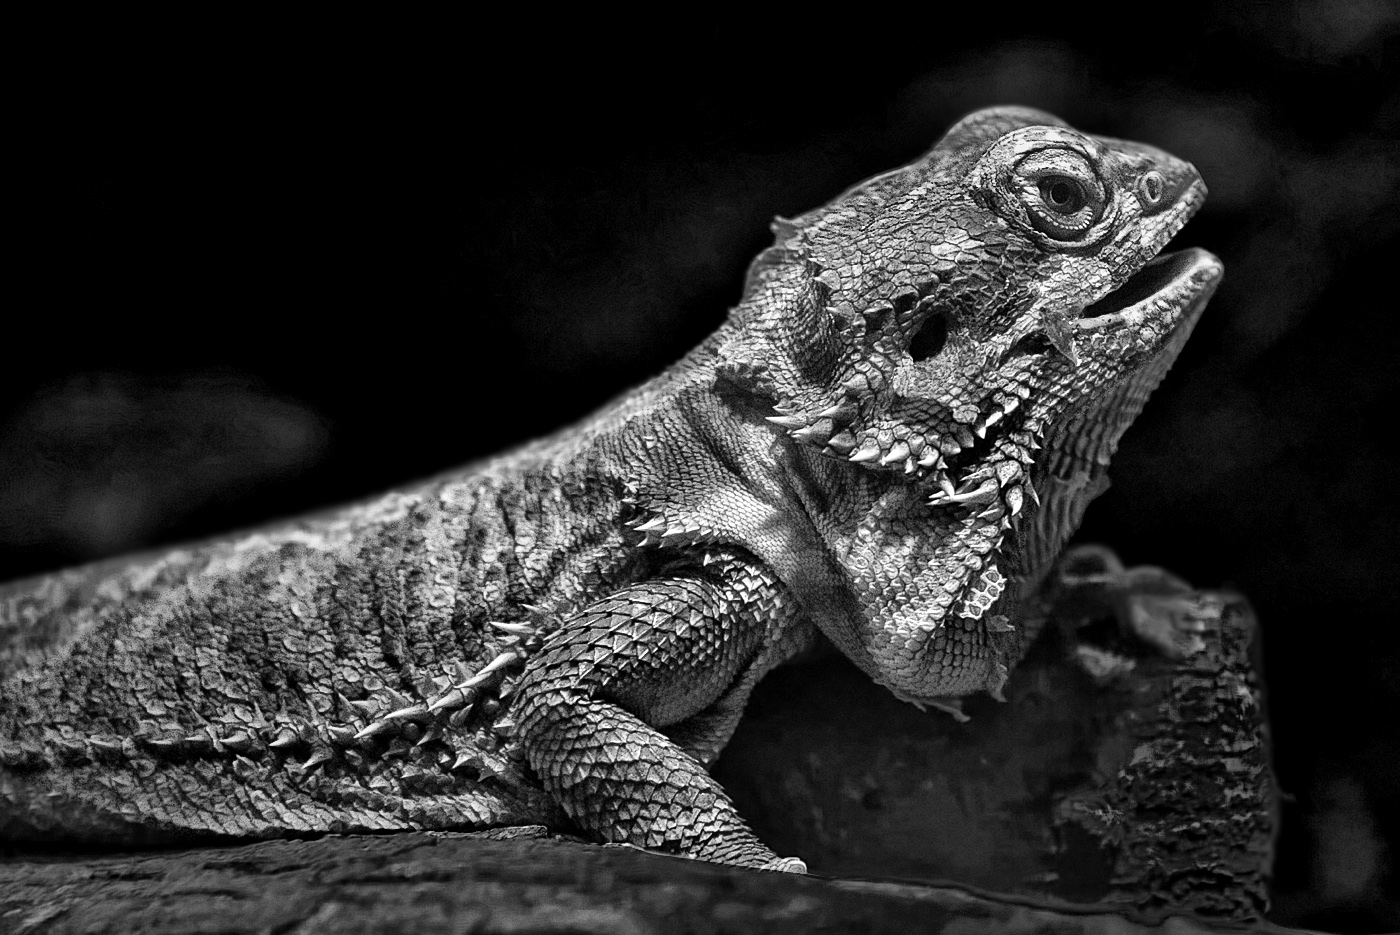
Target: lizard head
<point x="943" y="320"/>
<point x="960" y="337"/>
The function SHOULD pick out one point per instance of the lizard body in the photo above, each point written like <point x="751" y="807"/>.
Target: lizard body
<point x="888" y="442"/>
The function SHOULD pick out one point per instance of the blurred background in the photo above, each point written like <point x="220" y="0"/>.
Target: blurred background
<point x="266" y="268"/>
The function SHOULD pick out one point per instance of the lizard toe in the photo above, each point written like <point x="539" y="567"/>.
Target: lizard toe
<point x="786" y="865"/>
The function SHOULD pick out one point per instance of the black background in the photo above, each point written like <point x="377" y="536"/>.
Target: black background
<point x="263" y="268"/>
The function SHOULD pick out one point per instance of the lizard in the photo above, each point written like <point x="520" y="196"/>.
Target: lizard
<point x="887" y="442"/>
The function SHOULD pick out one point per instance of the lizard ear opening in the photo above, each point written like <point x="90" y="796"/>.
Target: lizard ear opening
<point x="928" y="341"/>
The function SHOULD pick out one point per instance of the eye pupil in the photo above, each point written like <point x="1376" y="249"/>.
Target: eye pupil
<point x="1062" y="195"/>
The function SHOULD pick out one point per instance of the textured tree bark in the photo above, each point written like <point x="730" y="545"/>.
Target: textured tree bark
<point x="1148" y="788"/>
<point x="429" y="883"/>
<point x="1113" y="788"/>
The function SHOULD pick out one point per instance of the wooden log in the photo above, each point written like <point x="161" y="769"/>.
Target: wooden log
<point x="1148" y="789"/>
<point x="426" y="883"/>
<point x="1114" y="788"/>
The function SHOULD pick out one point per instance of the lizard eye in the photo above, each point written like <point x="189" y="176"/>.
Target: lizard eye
<point x="1062" y="193"/>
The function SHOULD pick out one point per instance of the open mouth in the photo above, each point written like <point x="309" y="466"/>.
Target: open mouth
<point x="1168" y="284"/>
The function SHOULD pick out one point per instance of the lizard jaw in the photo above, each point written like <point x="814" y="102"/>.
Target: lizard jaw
<point x="1164" y="290"/>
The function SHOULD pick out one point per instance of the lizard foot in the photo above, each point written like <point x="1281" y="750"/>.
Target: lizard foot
<point x="781" y="864"/>
<point x="785" y="865"/>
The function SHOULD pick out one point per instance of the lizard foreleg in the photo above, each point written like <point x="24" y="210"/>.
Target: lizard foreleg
<point x="661" y="653"/>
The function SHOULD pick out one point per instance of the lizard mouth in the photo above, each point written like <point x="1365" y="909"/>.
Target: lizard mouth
<point x="1158" y="301"/>
<point x="1165" y="288"/>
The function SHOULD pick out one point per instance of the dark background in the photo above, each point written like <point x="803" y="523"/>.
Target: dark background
<point x="264" y="269"/>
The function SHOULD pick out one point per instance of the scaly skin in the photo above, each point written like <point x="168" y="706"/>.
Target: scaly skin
<point x="889" y="440"/>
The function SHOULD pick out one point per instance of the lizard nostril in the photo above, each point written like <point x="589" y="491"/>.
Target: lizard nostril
<point x="1151" y="187"/>
<point x="930" y="337"/>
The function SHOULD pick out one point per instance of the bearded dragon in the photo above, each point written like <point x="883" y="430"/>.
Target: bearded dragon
<point x="887" y="442"/>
